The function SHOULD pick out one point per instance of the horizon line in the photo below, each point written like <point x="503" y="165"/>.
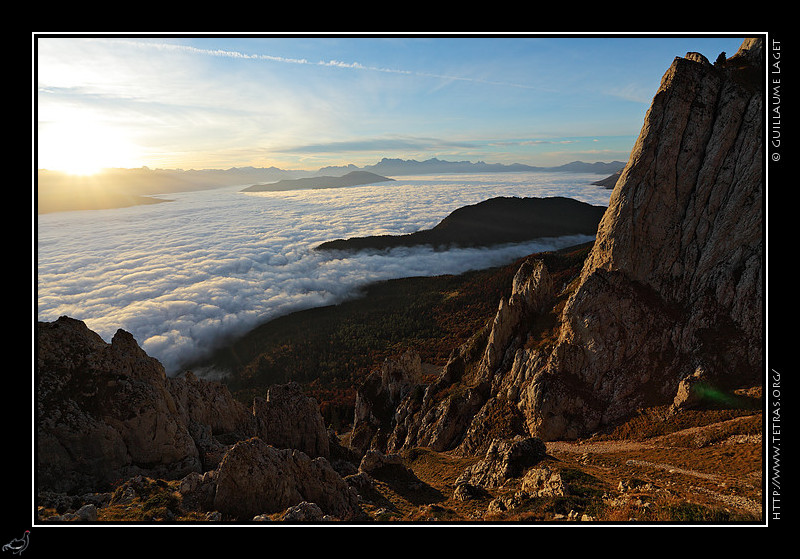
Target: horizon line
<point x="345" y="165"/>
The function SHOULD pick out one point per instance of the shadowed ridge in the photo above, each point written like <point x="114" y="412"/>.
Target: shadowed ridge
<point x="491" y="222"/>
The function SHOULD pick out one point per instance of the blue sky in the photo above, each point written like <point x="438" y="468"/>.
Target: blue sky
<point x="299" y="102"/>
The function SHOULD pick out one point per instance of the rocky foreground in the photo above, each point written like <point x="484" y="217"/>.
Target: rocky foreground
<point x="107" y="413"/>
<point x="163" y="449"/>
<point x="114" y="430"/>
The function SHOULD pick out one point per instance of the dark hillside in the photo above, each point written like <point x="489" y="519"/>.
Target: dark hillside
<point x="494" y="221"/>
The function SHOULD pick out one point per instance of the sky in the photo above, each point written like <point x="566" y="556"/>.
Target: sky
<point x="305" y="102"/>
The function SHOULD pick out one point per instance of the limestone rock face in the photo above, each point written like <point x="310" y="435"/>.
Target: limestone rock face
<point x="461" y="402"/>
<point x="209" y="410"/>
<point x="531" y="292"/>
<point x="675" y="279"/>
<point x="209" y="403"/>
<point x="256" y="478"/>
<point x="108" y="412"/>
<point x="287" y="418"/>
<point x="504" y="460"/>
<point x="103" y="410"/>
<point x="378" y="397"/>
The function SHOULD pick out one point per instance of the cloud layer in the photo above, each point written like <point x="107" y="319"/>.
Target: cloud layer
<point x="182" y="275"/>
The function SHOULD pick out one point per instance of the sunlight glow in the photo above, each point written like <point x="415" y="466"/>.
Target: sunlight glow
<point x="84" y="148"/>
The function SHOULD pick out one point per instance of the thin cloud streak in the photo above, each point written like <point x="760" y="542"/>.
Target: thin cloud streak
<point x="210" y="102"/>
<point x="326" y="63"/>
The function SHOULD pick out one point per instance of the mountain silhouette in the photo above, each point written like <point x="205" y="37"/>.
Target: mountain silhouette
<point x="494" y="221"/>
<point x="354" y="178"/>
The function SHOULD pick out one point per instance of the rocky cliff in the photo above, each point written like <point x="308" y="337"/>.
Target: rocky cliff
<point x="670" y="296"/>
<point x="674" y="284"/>
<point x="107" y="413"/>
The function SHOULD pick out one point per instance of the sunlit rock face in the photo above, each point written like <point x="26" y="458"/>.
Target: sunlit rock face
<point x="107" y="412"/>
<point x="104" y="411"/>
<point x="675" y="279"/>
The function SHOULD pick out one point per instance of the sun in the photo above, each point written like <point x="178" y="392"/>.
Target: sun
<point x="84" y="148"/>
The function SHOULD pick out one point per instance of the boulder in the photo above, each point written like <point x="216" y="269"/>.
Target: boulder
<point x="544" y="482"/>
<point x="256" y="478"/>
<point x="304" y="512"/>
<point x="688" y="395"/>
<point x="375" y="460"/>
<point x="468" y="492"/>
<point x="503" y="461"/>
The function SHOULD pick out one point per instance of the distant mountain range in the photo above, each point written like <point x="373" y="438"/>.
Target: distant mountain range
<point x="412" y="167"/>
<point x="494" y="221"/>
<point x="56" y="191"/>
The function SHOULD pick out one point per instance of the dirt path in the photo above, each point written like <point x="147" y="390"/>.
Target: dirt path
<point x="708" y="475"/>
<point x="583" y="447"/>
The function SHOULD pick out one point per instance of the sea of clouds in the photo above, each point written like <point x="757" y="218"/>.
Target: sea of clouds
<point x="182" y="275"/>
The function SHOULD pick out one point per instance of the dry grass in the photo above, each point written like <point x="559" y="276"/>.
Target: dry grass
<point x="708" y="472"/>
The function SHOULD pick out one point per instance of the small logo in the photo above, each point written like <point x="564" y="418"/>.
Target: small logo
<point x="18" y="545"/>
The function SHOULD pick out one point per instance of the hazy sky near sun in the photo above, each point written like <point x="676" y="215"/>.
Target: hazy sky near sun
<point x="299" y="102"/>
